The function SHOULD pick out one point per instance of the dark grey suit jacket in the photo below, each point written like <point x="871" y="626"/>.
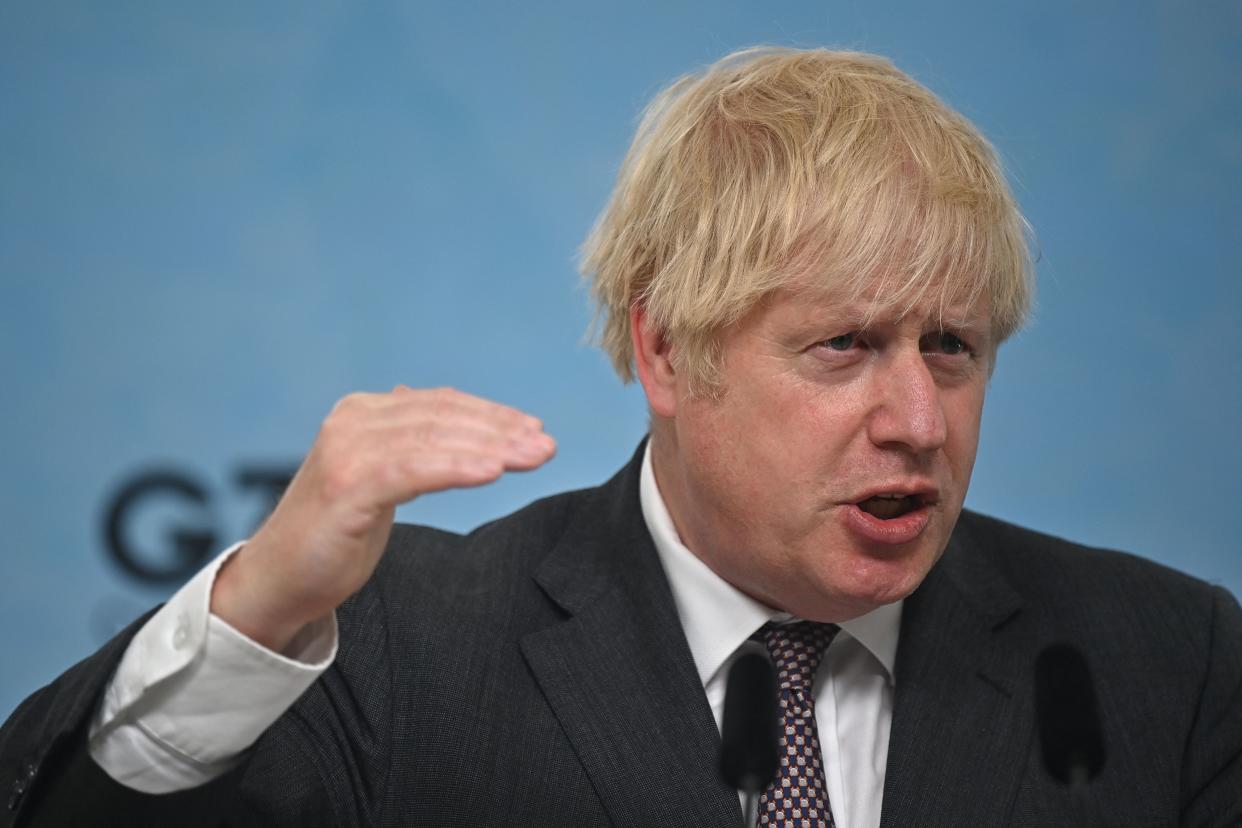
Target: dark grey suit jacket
<point x="534" y="672"/>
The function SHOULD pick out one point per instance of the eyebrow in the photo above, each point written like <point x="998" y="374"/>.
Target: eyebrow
<point x="978" y="323"/>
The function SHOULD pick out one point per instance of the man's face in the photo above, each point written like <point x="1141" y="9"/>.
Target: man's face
<point x="827" y="477"/>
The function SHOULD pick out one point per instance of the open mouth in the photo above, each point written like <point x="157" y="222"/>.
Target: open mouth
<point x="890" y="506"/>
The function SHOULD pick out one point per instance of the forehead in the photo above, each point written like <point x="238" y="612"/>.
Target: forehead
<point x="879" y="301"/>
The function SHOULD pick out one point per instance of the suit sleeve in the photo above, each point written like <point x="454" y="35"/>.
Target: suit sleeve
<point x="191" y="694"/>
<point x="320" y="763"/>
<point x="49" y="778"/>
<point x="1212" y="767"/>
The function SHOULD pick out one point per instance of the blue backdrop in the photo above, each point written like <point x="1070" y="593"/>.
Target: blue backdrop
<point x="216" y="219"/>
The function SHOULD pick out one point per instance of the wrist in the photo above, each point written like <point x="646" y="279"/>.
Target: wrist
<point x="239" y="599"/>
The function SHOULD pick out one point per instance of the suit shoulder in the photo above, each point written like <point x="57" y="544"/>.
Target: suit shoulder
<point x="443" y="571"/>
<point x="1034" y="560"/>
<point x="540" y="522"/>
<point x="1104" y="600"/>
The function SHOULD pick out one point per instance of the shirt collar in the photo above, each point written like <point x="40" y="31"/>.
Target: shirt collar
<point x="716" y="616"/>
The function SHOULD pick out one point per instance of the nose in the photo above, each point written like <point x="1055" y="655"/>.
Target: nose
<point x="907" y="412"/>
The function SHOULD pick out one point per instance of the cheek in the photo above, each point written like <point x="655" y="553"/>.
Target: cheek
<point x="710" y="449"/>
<point x="737" y="456"/>
<point x="963" y="416"/>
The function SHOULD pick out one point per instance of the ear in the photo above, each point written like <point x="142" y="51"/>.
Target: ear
<point x="653" y="362"/>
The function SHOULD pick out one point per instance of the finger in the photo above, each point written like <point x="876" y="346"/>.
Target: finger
<point x="412" y="475"/>
<point x="357" y="421"/>
<point x="449" y="402"/>
<point x="401" y="467"/>
<point x="418" y="430"/>
<point x="418" y="421"/>
<point x="532" y="453"/>
<point x="515" y="452"/>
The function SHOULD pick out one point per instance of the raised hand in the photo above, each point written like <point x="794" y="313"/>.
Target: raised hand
<point x="373" y="453"/>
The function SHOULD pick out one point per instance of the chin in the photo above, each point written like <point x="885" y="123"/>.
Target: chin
<point x="871" y="583"/>
<point x="838" y="602"/>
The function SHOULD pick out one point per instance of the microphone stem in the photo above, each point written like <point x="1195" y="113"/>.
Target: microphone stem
<point x="750" y="808"/>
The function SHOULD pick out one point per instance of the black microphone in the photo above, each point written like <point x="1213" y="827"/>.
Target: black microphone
<point x="749" y="735"/>
<point x="1067" y="716"/>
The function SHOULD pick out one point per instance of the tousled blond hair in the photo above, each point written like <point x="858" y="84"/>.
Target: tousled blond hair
<point x="777" y="167"/>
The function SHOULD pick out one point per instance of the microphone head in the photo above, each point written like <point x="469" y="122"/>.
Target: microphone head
<point x="1067" y="715"/>
<point x="749" y="735"/>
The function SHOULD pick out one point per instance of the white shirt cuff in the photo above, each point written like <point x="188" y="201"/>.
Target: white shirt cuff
<point x="191" y="693"/>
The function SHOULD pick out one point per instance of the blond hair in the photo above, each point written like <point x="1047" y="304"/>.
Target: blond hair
<point x="778" y="166"/>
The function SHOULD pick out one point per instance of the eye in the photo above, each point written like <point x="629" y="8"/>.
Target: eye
<point x="943" y="342"/>
<point x="840" y="343"/>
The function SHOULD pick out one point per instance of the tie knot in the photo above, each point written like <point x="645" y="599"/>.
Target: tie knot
<point x="796" y="649"/>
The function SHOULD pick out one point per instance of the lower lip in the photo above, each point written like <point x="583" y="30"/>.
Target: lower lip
<point x="893" y="532"/>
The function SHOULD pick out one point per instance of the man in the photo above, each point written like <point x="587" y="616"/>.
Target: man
<point x="809" y="264"/>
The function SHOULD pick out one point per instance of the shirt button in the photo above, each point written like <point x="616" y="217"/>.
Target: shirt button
<point x="181" y="635"/>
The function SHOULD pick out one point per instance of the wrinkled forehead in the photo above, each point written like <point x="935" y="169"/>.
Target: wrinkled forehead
<point x="944" y="296"/>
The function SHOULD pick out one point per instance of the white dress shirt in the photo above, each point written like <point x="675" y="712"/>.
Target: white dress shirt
<point x="191" y="694"/>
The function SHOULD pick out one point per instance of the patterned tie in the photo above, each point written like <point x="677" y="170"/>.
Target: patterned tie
<point x="798" y="797"/>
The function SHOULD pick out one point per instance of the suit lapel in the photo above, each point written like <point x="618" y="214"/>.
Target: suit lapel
<point x="963" y="714"/>
<point x="619" y="675"/>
